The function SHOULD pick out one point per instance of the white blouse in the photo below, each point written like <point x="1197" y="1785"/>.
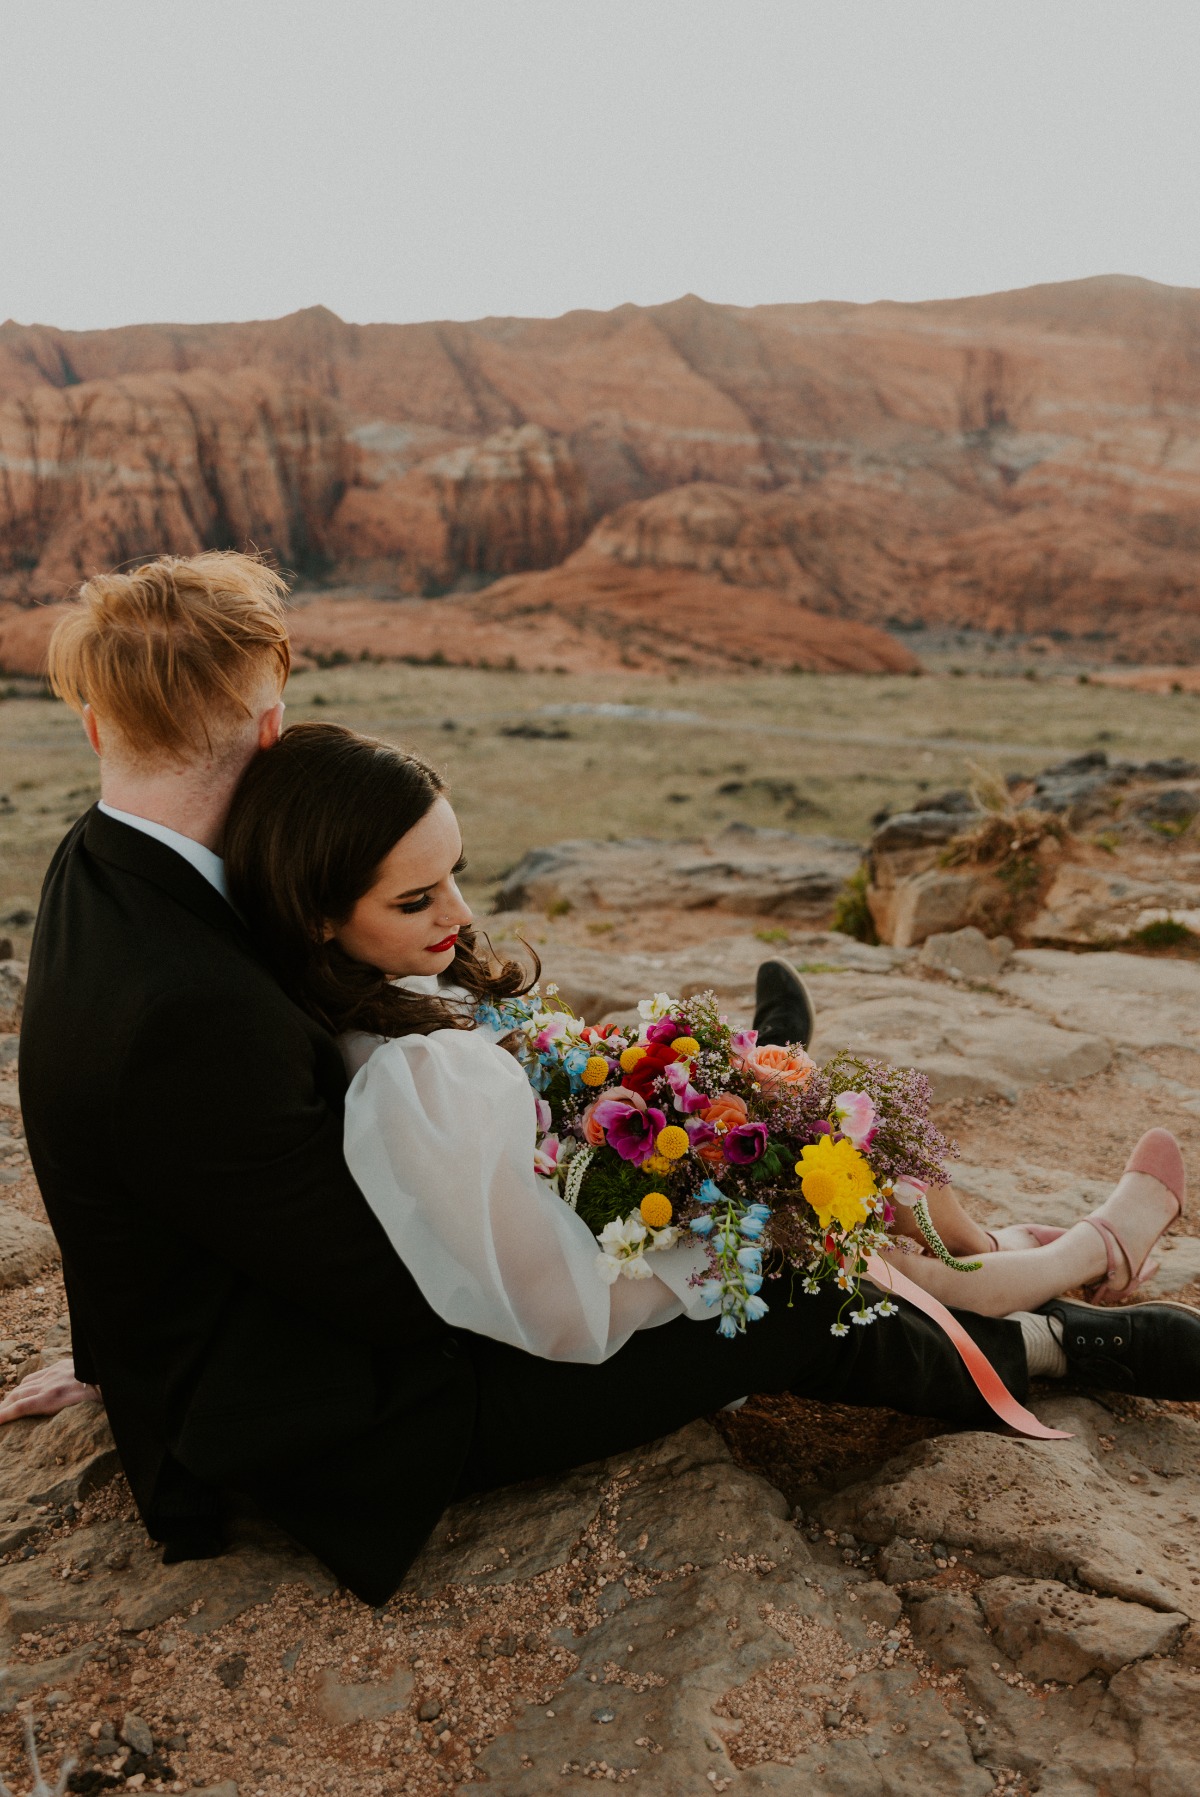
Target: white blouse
<point x="440" y="1134"/>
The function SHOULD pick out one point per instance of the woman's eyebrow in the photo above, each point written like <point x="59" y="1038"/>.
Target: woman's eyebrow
<point x="415" y="891"/>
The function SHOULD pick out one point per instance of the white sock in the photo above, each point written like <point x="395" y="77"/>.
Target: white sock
<point x="1043" y="1345"/>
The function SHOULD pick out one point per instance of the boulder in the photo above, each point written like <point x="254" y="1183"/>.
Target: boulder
<point x="26" y="1247"/>
<point x="940" y="901"/>
<point x="966" y="954"/>
<point x="57" y="1459"/>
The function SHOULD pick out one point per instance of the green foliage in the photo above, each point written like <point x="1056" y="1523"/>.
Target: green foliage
<point x="559" y="907"/>
<point x="773" y="935"/>
<point x="851" y="913"/>
<point x="1165" y="932"/>
<point x="611" y="1189"/>
<point x="773" y="1165"/>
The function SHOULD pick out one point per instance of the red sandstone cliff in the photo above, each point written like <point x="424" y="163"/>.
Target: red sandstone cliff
<point x="1027" y="460"/>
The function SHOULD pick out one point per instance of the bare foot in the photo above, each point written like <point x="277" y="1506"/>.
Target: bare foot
<point x="1016" y="1236"/>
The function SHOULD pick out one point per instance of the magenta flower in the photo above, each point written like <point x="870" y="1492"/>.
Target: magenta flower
<point x="634" y="1133"/>
<point x="742" y="1042"/>
<point x="687" y="1098"/>
<point x="665" y="1030"/>
<point x="745" y="1144"/>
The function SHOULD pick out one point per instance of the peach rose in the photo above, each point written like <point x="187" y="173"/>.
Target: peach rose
<point x="593" y="1132"/>
<point x="725" y="1113"/>
<point x="773" y="1066"/>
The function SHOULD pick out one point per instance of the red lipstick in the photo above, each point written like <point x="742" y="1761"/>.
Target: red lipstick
<point x="438" y="948"/>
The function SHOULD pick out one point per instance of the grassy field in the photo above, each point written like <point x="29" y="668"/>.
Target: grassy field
<point x="534" y="758"/>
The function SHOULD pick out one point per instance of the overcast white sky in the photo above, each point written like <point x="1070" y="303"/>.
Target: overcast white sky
<point x="409" y="159"/>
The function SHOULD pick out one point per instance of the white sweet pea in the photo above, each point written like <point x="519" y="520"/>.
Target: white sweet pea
<point x="623" y="1245"/>
<point x="659" y="1006"/>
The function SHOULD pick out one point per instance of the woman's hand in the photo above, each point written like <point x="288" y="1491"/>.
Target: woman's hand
<point x="46" y="1392"/>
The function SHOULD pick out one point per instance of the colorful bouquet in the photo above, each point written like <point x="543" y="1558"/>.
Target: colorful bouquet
<point x="687" y="1125"/>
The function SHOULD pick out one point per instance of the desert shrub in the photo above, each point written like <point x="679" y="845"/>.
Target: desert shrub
<point x="851" y="913"/>
<point x="1165" y="932"/>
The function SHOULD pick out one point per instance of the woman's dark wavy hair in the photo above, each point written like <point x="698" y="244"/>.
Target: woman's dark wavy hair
<point x="312" y="820"/>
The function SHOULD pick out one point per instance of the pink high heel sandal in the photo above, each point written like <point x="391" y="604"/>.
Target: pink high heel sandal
<point x="1158" y="1156"/>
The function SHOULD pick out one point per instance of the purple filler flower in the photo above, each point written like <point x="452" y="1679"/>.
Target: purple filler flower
<point x="745" y="1144"/>
<point x="634" y="1133"/>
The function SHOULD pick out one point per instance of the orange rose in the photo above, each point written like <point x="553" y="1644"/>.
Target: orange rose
<point x="725" y="1113"/>
<point x="592" y="1132"/>
<point x="773" y="1066"/>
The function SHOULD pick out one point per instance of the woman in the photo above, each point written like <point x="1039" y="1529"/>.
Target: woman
<point x="343" y="855"/>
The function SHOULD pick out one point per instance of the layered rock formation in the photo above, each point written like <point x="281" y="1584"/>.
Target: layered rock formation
<point x="1023" y="461"/>
<point x="96" y="475"/>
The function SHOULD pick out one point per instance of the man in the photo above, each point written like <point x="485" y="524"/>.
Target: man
<point x="232" y="1296"/>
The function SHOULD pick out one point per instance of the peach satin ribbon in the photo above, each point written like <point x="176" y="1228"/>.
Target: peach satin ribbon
<point x="991" y="1385"/>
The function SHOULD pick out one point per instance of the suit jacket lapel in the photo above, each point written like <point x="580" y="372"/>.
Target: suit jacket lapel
<point x="148" y="859"/>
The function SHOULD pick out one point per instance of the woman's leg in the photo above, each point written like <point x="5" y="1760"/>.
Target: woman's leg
<point x="1138" y="1210"/>
<point x="961" y="1233"/>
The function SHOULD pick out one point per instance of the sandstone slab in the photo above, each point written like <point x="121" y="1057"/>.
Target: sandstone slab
<point x="1091" y="906"/>
<point x="761" y="873"/>
<point x="969" y="1045"/>
<point x="1133" y="1001"/>
<point x="1052" y="1632"/>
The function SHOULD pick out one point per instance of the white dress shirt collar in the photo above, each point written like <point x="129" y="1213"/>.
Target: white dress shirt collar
<point x="204" y="860"/>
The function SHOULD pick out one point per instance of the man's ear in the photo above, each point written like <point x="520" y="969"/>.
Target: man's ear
<point x="91" y="728"/>
<point x="270" y="726"/>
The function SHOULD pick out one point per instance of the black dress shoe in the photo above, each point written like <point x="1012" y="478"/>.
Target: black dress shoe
<point x="783" y="1006"/>
<point x="1147" y="1350"/>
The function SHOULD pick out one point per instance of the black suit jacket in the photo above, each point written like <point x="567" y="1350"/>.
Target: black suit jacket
<point x="230" y="1291"/>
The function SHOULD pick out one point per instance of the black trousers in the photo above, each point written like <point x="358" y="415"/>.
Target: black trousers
<point x="544" y="1416"/>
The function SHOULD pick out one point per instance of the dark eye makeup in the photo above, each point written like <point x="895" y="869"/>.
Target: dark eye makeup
<point x="426" y="898"/>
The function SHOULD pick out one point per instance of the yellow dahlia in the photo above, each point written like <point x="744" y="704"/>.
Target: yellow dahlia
<point x="595" y="1070"/>
<point x="836" y="1179"/>
<point x="673" y="1142"/>
<point x="656" y="1210"/>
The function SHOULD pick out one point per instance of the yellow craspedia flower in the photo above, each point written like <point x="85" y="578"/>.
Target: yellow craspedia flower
<point x="687" y="1045"/>
<point x="673" y="1142"/>
<point x="656" y="1210"/>
<point x="631" y="1057"/>
<point x="654" y="1163"/>
<point x="595" y="1070"/>
<point x="836" y="1179"/>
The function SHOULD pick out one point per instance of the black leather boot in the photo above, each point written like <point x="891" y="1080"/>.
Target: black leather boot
<point x="783" y="1005"/>
<point x="1147" y="1350"/>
